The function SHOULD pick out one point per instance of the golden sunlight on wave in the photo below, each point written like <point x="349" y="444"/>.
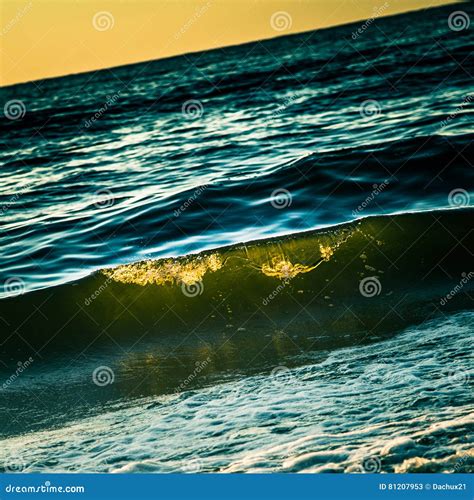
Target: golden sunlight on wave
<point x="170" y="271"/>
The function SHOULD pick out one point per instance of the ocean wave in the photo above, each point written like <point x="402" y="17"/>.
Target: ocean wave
<point x="348" y="278"/>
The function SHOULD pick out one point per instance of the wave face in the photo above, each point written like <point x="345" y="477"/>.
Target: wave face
<point x="356" y="280"/>
<point x="186" y="154"/>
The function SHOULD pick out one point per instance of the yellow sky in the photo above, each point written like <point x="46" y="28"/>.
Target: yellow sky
<point x="44" y="38"/>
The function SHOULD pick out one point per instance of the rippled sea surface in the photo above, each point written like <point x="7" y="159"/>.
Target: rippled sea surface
<point x="256" y="258"/>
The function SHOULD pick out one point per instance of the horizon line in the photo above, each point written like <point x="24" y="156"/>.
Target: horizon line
<point x="265" y="39"/>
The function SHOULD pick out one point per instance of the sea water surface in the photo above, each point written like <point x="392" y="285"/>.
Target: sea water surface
<point x="256" y="258"/>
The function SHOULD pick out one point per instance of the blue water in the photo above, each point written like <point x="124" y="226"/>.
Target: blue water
<point x="286" y="114"/>
<point x="345" y="348"/>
